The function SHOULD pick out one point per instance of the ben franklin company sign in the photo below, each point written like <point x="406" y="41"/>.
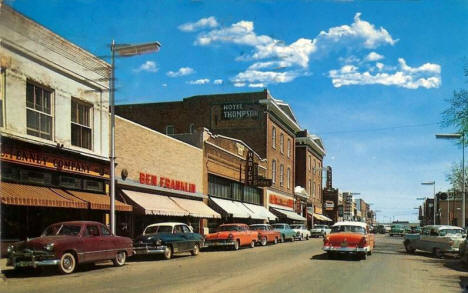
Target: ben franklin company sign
<point x="239" y="111"/>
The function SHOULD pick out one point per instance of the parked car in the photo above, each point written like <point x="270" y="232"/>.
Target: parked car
<point x="320" y="231"/>
<point x="349" y="238"/>
<point x="168" y="239"/>
<point x="397" y="230"/>
<point x="286" y="232"/>
<point x="301" y="231"/>
<point x="380" y="229"/>
<point x="266" y="234"/>
<point x="69" y="244"/>
<point x="232" y="235"/>
<point x="438" y="239"/>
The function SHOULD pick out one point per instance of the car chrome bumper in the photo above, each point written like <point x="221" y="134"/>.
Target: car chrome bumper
<point x="214" y="243"/>
<point x="150" y="249"/>
<point x="346" y="249"/>
<point x="32" y="259"/>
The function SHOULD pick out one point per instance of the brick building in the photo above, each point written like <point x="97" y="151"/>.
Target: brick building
<point x="332" y="199"/>
<point x="264" y="123"/>
<point x="309" y="160"/>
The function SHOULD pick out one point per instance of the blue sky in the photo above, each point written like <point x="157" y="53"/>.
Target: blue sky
<point x="369" y="77"/>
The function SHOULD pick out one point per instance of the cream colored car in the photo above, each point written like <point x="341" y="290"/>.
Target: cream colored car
<point x="438" y="239"/>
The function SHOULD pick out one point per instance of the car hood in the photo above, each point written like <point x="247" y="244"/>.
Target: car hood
<point x="38" y="243"/>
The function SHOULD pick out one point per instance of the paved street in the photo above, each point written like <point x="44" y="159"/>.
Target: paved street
<point x="289" y="267"/>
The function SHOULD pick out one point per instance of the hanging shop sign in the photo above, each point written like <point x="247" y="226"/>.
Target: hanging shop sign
<point x="251" y="173"/>
<point x="282" y="201"/>
<point x="329" y="205"/>
<point x="165" y="182"/>
<point x="46" y="159"/>
<point x="239" y="111"/>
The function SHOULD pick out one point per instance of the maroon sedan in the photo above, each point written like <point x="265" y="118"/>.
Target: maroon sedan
<point x="68" y="244"/>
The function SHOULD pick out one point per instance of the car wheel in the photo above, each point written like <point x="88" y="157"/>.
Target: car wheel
<point x="363" y="256"/>
<point x="292" y="239"/>
<point x="196" y="249"/>
<point x="408" y="248"/>
<point x="67" y="263"/>
<point x="307" y="237"/>
<point x="276" y="240"/>
<point x="264" y="241"/>
<point x="236" y="245"/>
<point x="252" y="244"/>
<point x="282" y="239"/>
<point x="167" y="252"/>
<point x="436" y="252"/>
<point x="120" y="259"/>
<point x="302" y="237"/>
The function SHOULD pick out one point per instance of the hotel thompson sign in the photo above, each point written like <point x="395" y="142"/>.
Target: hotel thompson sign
<point x="239" y="111"/>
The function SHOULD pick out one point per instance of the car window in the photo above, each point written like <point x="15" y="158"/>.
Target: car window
<point x="164" y="229"/>
<point x="70" y="230"/>
<point x="92" y="230"/>
<point x="348" y="228"/>
<point x="227" y="228"/>
<point x="178" y="229"/>
<point x="151" y="230"/>
<point x="105" y="231"/>
<point x="186" y="229"/>
<point x="451" y="231"/>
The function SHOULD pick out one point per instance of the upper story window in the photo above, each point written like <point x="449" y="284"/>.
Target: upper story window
<point x="315" y="166"/>
<point x="38" y="111"/>
<point x="81" y="130"/>
<point x="282" y="143"/>
<point x="273" y="171"/>
<point x="308" y="162"/>
<point x="191" y="127"/>
<point x="289" y="148"/>
<point x="170" y="129"/>
<point x="2" y="92"/>
<point x="310" y="187"/>
<point x="281" y="175"/>
<point x="288" y="178"/>
<point x="273" y="137"/>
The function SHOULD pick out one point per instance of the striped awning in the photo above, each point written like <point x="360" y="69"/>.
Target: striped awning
<point x="260" y="212"/>
<point x="100" y="201"/>
<point x="290" y="215"/>
<point x="40" y="196"/>
<point x="196" y="208"/>
<point x="153" y="204"/>
<point x="237" y="210"/>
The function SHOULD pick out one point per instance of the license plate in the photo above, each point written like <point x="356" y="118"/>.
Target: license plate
<point x="344" y="244"/>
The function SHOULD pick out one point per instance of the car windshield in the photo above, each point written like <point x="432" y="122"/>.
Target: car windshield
<point x="348" y="228"/>
<point x="279" y="227"/>
<point x="57" y="230"/>
<point x="451" y="231"/>
<point x="158" y="229"/>
<point x="228" y="228"/>
<point x="320" y="226"/>
<point x="258" y="227"/>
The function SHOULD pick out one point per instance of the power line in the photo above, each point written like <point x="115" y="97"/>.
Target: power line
<point x="379" y="129"/>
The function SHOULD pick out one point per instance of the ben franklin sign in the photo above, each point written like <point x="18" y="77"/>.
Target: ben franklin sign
<point x="239" y="111"/>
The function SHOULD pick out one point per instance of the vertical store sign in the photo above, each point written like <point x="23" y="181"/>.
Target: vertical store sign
<point x="249" y="176"/>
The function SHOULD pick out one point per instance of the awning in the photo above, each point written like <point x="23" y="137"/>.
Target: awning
<point x="196" y="208"/>
<point x="322" y="218"/>
<point x="260" y="212"/>
<point x="233" y="208"/>
<point x="100" y="201"/>
<point x="153" y="204"/>
<point x="28" y="195"/>
<point x="290" y="214"/>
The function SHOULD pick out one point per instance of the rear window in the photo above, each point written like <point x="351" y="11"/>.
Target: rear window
<point x="158" y="229"/>
<point x="348" y="228"/>
<point x="56" y="230"/>
<point x="229" y="228"/>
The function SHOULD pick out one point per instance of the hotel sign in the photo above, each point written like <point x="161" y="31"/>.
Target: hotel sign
<point x="239" y="111"/>
<point x="49" y="160"/>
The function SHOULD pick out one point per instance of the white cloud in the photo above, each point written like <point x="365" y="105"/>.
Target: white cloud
<point x="425" y="76"/>
<point x="361" y="31"/>
<point x="239" y="84"/>
<point x="164" y="85"/>
<point x="373" y="56"/>
<point x="209" y="22"/>
<point x="199" y="81"/>
<point x="255" y="85"/>
<point x="148" y="66"/>
<point x="274" y="61"/>
<point x="181" y="72"/>
<point x="218" y="81"/>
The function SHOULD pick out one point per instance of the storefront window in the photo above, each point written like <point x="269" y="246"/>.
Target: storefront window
<point x="35" y="177"/>
<point x="10" y="173"/>
<point x="236" y="191"/>
<point x="93" y="185"/>
<point x="2" y="91"/>
<point x="219" y="187"/>
<point x="252" y="195"/>
<point x="224" y="188"/>
<point x="70" y="182"/>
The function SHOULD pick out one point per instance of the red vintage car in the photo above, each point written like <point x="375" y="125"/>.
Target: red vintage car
<point x="232" y="235"/>
<point x="349" y="238"/>
<point x="69" y="244"/>
<point x="266" y="234"/>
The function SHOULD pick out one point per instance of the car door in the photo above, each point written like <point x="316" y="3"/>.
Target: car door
<point x="180" y="240"/>
<point x="91" y="243"/>
<point x="109" y="243"/>
<point x="190" y="239"/>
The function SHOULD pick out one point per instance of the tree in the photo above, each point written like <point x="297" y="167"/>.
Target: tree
<point x="455" y="178"/>
<point x="457" y="113"/>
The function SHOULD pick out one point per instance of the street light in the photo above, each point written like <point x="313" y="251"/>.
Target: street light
<point x="458" y="136"/>
<point x="435" y="201"/>
<point x="123" y="50"/>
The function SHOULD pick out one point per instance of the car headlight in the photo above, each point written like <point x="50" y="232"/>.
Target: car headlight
<point x="157" y="242"/>
<point x="10" y="248"/>
<point x="49" y="247"/>
<point x="230" y="236"/>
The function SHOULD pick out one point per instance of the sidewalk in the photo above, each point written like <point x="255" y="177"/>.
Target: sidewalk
<point x="3" y="266"/>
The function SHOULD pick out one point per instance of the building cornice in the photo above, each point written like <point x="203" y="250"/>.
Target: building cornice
<point x="273" y="107"/>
